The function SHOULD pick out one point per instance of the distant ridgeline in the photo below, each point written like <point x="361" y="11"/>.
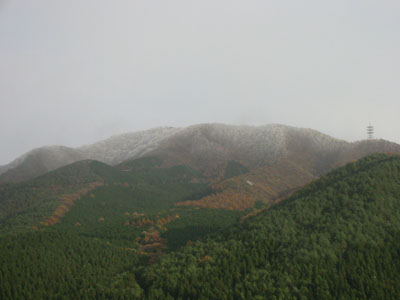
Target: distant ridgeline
<point x="208" y="148"/>
<point x="123" y="236"/>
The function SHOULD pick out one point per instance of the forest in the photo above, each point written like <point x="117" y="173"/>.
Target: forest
<point x="336" y="238"/>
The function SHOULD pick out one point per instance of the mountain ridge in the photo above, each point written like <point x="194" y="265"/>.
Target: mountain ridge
<point x="207" y="147"/>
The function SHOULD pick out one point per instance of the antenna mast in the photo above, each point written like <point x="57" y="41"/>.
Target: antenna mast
<point x="370" y="132"/>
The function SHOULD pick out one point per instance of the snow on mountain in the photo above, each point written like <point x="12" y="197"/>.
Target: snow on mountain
<point x="39" y="161"/>
<point x="207" y="147"/>
<point x="118" y="148"/>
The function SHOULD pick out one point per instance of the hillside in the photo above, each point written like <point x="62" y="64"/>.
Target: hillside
<point x="278" y="159"/>
<point x="38" y="162"/>
<point x="338" y="238"/>
<point x="207" y="148"/>
<point x="25" y="204"/>
<point x="119" y="203"/>
<point x="112" y="151"/>
<point x="263" y="185"/>
<point x="119" y="148"/>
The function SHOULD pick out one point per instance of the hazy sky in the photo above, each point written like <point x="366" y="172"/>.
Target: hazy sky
<point x="74" y="72"/>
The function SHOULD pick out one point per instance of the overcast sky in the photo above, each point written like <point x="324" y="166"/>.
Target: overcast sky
<point x="73" y="72"/>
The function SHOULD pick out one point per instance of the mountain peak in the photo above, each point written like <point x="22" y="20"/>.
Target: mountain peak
<point x="207" y="147"/>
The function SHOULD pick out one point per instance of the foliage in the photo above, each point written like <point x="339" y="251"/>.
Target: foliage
<point x="58" y="265"/>
<point x="337" y="238"/>
<point x="25" y="204"/>
<point x="234" y="168"/>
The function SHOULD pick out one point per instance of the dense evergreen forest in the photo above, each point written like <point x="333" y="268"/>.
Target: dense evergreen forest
<point x="337" y="238"/>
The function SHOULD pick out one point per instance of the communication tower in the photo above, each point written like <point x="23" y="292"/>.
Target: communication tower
<point x="370" y="132"/>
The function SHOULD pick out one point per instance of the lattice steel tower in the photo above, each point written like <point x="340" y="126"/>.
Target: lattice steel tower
<point x="370" y="132"/>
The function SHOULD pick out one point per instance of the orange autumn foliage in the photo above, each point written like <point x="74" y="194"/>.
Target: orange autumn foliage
<point x="151" y="244"/>
<point x="159" y="223"/>
<point x="67" y="201"/>
<point x="136" y="214"/>
<point x="205" y="259"/>
<point x="230" y="200"/>
<point x="266" y="184"/>
<point x="251" y="214"/>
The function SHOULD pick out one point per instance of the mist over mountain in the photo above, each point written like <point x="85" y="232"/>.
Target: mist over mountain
<point x="116" y="149"/>
<point x="206" y="147"/>
<point x="201" y="207"/>
<point x="39" y="161"/>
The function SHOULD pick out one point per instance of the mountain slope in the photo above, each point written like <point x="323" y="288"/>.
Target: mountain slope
<point x="39" y="161"/>
<point x="264" y="184"/>
<point x="25" y="204"/>
<point x="119" y="148"/>
<point x="110" y="151"/>
<point x="279" y="159"/>
<point x="339" y="238"/>
<point x="208" y="148"/>
<point x="94" y="199"/>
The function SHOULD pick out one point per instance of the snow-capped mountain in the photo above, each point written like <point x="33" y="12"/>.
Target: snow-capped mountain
<point x="206" y="147"/>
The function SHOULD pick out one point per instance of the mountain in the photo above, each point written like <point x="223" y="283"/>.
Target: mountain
<point x="206" y="147"/>
<point x="274" y="160"/>
<point x="362" y="148"/>
<point x="336" y="238"/>
<point x="278" y="159"/>
<point x="111" y="151"/>
<point x="119" y="148"/>
<point x="26" y="204"/>
<point x="137" y="192"/>
<point x="39" y="161"/>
